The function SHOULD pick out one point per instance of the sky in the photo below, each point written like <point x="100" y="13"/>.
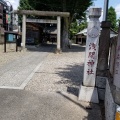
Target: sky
<point x="97" y="3"/>
<point x="114" y="3"/>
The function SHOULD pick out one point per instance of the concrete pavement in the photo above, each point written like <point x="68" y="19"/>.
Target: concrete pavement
<point x="51" y="93"/>
<point x="27" y="105"/>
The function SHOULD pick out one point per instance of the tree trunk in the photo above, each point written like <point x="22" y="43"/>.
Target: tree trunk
<point x="64" y="28"/>
<point x="65" y="39"/>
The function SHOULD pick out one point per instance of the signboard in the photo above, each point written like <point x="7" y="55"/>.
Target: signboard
<point x="41" y="21"/>
<point x="10" y="38"/>
<point x="8" y="18"/>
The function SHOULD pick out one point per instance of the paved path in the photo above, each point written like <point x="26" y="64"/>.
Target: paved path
<point x="51" y="94"/>
<point x="16" y="73"/>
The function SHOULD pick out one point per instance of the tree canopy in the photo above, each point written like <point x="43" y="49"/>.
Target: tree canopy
<point x="112" y="17"/>
<point x="77" y="26"/>
<point x="76" y="8"/>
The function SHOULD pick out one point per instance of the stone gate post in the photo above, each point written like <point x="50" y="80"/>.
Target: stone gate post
<point x="88" y="92"/>
<point x="58" y="50"/>
<point x="23" y="31"/>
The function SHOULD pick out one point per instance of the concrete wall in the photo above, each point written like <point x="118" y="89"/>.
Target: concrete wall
<point x="110" y="93"/>
<point x="110" y="105"/>
<point x="101" y="85"/>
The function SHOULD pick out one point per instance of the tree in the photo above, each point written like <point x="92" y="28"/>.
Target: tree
<point x="112" y="17"/>
<point x="76" y="8"/>
<point x="24" y="5"/>
<point x="77" y="26"/>
<point x="118" y="23"/>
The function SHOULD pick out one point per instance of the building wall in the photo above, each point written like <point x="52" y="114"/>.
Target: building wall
<point x="5" y="14"/>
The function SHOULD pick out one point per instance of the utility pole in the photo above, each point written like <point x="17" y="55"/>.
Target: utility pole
<point x="105" y="10"/>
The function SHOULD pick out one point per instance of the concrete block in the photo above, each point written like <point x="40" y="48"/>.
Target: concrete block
<point x="101" y="94"/>
<point x="110" y="106"/>
<point x="101" y="82"/>
<point x="88" y="94"/>
<point x="117" y="96"/>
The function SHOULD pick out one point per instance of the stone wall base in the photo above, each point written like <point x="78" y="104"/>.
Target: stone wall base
<point x="101" y="85"/>
<point x="88" y="94"/>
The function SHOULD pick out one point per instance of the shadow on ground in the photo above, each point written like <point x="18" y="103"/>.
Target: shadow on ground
<point x="75" y="48"/>
<point x="72" y="77"/>
<point x="41" y="48"/>
<point x="52" y="48"/>
<point x="25" y="105"/>
<point x="88" y="107"/>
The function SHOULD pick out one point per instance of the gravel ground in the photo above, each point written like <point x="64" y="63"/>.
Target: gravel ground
<point x="60" y="72"/>
<point x="46" y="96"/>
<point x="11" y="56"/>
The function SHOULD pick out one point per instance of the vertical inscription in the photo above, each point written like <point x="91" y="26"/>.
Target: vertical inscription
<point x="92" y="41"/>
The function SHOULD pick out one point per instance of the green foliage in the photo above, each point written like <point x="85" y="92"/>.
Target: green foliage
<point x="112" y="17"/>
<point x="75" y="7"/>
<point x="24" y="5"/>
<point x="118" y="22"/>
<point x="75" y="27"/>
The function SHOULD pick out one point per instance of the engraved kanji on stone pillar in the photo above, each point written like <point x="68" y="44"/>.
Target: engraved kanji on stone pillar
<point x="93" y="32"/>
<point x="88" y="91"/>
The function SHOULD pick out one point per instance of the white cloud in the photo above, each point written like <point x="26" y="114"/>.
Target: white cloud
<point x="14" y="3"/>
<point x="117" y="9"/>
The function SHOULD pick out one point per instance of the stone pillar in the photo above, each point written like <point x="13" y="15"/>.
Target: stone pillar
<point x="88" y="92"/>
<point x="102" y="67"/>
<point x="116" y="76"/>
<point x="58" y="50"/>
<point x="23" y="31"/>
